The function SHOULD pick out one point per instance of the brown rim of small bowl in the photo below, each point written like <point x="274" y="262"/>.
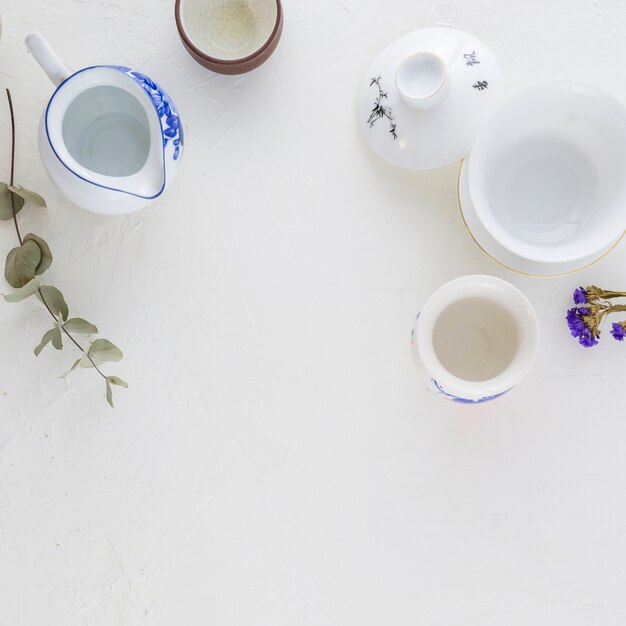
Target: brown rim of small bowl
<point x="232" y="63"/>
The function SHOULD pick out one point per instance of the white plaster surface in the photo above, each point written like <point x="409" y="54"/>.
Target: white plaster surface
<point x="276" y="461"/>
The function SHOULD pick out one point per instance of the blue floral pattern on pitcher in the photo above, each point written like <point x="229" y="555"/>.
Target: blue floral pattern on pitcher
<point x="170" y="120"/>
<point x="441" y="391"/>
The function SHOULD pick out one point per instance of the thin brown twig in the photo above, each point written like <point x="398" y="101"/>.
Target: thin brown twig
<point x="19" y="236"/>
<point x="12" y="178"/>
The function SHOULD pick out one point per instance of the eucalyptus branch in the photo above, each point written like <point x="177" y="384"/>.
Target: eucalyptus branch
<point x="62" y="327"/>
<point x="32" y="258"/>
<point x="17" y="228"/>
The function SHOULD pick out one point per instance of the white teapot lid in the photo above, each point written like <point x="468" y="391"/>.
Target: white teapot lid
<point x="422" y="99"/>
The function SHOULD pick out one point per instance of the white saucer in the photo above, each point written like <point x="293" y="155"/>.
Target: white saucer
<point x="428" y="131"/>
<point x="505" y="257"/>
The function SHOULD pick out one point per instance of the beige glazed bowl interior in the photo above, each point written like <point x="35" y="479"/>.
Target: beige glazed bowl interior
<point x="228" y="30"/>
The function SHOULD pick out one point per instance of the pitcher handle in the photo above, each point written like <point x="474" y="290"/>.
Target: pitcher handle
<point x="46" y="57"/>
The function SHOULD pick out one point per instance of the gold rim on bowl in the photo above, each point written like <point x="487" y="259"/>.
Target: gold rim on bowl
<point x="508" y="267"/>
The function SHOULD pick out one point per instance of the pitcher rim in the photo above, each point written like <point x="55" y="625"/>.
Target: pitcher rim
<point x="91" y="182"/>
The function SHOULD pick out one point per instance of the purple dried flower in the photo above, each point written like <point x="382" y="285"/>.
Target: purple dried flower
<point x="587" y="339"/>
<point x="575" y="323"/>
<point x="594" y="305"/>
<point x="619" y="331"/>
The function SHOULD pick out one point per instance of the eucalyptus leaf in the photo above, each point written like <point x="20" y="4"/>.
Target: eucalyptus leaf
<point x="24" y="292"/>
<point x="55" y="300"/>
<point x="114" y="380"/>
<point x="109" y="393"/>
<point x="81" y="326"/>
<point x="22" y="263"/>
<point x="103" y="351"/>
<point x="29" y="196"/>
<point x="46" y="254"/>
<point x="57" y="341"/>
<point x="69" y="371"/>
<point x="85" y="362"/>
<point x="45" y="340"/>
<point x="7" y="201"/>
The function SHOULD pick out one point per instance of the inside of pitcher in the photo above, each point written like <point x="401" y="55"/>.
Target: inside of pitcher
<point x="106" y="130"/>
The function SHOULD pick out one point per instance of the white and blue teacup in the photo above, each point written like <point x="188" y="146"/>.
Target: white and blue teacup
<point x="474" y="339"/>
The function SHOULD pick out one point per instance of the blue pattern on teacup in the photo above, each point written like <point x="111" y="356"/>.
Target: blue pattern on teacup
<point x="441" y="391"/>
<point x="170" y="120"/>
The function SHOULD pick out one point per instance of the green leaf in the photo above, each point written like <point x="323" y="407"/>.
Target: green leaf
<point x="55" y="300"/>
<point x="45" y="340"/>
<point x="21" y="264"/>
<point x="85" y="362"/>
<point x="109" y="393"/>
<point x="81" y="326"/>
<point x="57" y="341"/>
<point x="103" y="351"/>
<point x="69" y="371"/>
<point x="114" y="380"/>
<point x="24" y="292"/>
<point x="6" y="200"/>
<point x="46" y="255"/>
<point x="29" y="196"/>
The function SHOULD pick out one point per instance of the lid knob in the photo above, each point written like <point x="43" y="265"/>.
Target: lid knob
<point x="421" y="79"/>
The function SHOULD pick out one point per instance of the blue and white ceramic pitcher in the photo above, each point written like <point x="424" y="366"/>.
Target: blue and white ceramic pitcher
<point x="110" y="138"/>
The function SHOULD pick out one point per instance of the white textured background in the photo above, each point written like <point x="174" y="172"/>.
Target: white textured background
<point x="276" y="461"/>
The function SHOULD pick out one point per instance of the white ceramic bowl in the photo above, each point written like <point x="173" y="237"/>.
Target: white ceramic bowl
<point x="474" y="339"/>
<point x="505" y="257"/>
<point x="546" y="172"/>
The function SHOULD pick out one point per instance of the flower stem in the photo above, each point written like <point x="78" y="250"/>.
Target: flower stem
<point x="617" y="308"/>
<point x="19" y="235"/>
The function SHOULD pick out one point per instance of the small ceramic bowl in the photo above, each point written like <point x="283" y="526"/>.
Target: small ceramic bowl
<point x="474" y="339"/>
<point x="229" y="36"/>
<point x="546" y="173"/>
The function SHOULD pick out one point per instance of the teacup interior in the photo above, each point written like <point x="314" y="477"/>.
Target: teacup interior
<point x="546" y="173"/>
<point x="475" y="339"/>
<point x="229" y="29"/>
<point x="544" y="190"/>
<point x="106" y="130"/>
